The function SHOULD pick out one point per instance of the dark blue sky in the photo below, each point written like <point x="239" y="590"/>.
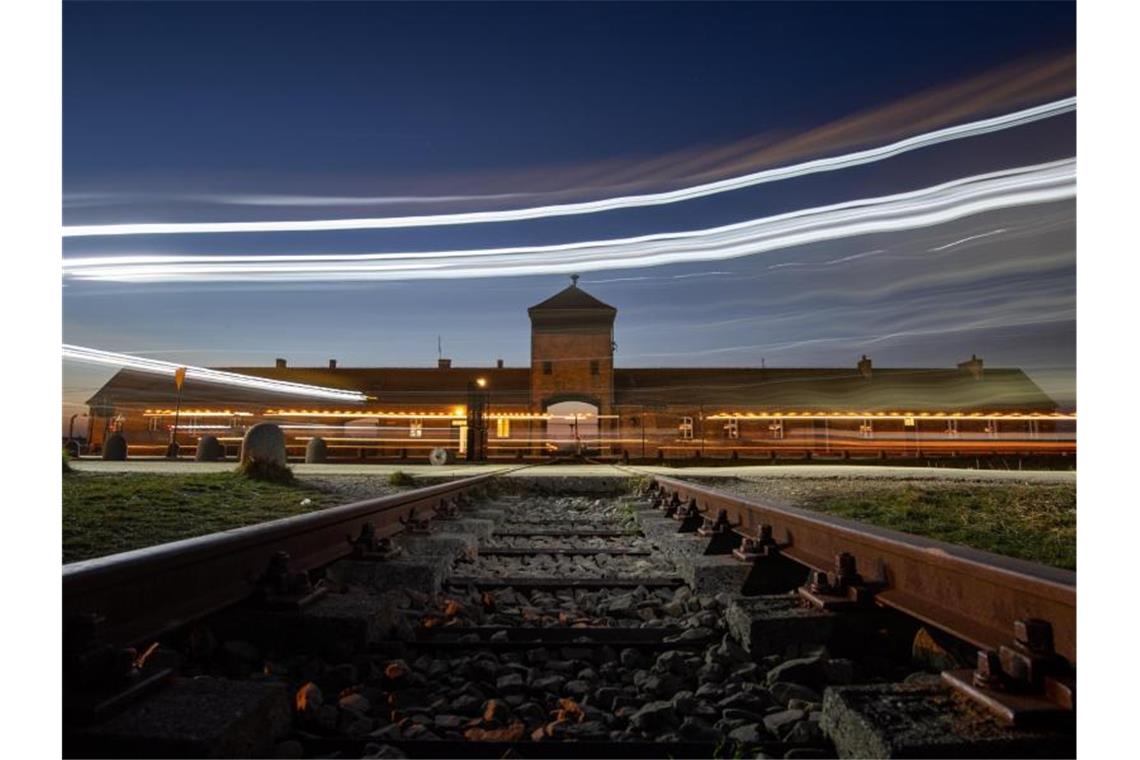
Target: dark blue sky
<point x="171" y="110"/>
<point x="166" y="93"/>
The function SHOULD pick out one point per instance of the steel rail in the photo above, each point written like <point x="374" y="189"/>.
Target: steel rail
<point x="972" y="594"/>
<point x="143" y="593"/>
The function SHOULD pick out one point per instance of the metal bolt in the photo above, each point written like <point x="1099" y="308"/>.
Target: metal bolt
<point x="1034" y="634"/>
<point x="818" y="582"/>
<point x="988" y="673"/>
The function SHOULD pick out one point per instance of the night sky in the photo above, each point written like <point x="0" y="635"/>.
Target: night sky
<point x="215" y="112"/>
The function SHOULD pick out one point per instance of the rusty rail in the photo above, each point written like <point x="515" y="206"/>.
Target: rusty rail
<point x="143" y="593"/>
<point x="974" y="595"/>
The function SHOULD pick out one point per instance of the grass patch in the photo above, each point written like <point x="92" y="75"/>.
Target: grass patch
<point x="400" y="478"/>
<point x="269" y="472"/>
<point x="1032" y="522"/>
<point x="109" y="513"/>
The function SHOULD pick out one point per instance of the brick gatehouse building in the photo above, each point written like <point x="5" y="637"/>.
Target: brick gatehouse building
<point x="572" y="397"/>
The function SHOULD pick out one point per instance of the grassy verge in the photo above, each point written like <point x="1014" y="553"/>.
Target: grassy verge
<point x="109" y="513"/>
<point x="1033" y="522"/>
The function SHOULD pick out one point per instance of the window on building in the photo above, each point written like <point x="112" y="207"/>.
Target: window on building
<point x="503" y="428"/>
<point x="686" y="428"/>
<point x="732" y="428"/>
<point x="548" y="368"/>
<point x="777" y="428"/>
<point x="867" y="428"/>
<point x="991" y="430"/>
<point x="1034" y="428"/>
<point x="952" y="428"/>
<point x="595" y="367"/>
<point x="416" y="429"/>
<point x="154" y="424"/>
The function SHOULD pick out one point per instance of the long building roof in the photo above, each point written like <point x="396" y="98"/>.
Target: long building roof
<point x="715" y="388"/>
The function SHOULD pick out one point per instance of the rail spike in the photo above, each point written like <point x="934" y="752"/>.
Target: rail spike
<point x="758" y="547"/>
<point x="369" y="547"/>
<point x="1024" y="683"/>
<point x="280" y="587"/>
<point x="416" y="525"/>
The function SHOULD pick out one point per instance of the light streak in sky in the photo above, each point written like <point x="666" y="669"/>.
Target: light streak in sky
<point x="1040" y="183"/>
<point x="156" y="366"/>
<point x="833" y="163"/>
<point x="966" y="240"/>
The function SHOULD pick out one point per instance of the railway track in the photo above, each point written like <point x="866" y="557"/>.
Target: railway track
<point x="483" y="617"/>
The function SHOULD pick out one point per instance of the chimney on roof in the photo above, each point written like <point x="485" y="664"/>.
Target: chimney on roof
<point x="444" y="363"/>
<point x="973" y="366"/>
<point x="280" y="364"/>
<point x="865" y="367"/>
<point x="332" y="363"/>
<point x="499" y="364"/>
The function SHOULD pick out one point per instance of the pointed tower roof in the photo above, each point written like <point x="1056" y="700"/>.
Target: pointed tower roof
<point x="570" y="309"/>
<point x="572" y="297"/>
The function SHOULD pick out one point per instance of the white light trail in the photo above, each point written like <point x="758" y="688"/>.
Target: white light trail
<point x="1042" y="183"/>
<point x="966" y="240"/>
<point x="834" y="163"/>
<point x="156" y="366"/>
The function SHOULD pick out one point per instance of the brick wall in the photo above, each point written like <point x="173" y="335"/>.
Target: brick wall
<point x="570" y="355"/>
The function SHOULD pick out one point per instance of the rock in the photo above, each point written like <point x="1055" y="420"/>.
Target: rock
<point x="805" y="732"/>
<point x="654" y="716"/>
<point x="807" y="671"/>
<point x="700" y="633"/>
<point x="448" y="722"/>
<point x="631" y="658"/>
<point x="264" y="443"/>
<point x="512" y="683"/>
<point x="807" y="753"/>
<point x="751" y="733"/>
<point x="672" y="661"/>
<point x="839" y="671"/>
<point x="780" y="722"/>
<point x="327" y="716"/>
<point x="496" y="711"/>
<point x="712" y="672"/>
<point x="209" y="449"/>
<point x="115" y="448"/>
<point x="466" y="704"/>
<point x="605" y="696"/>
<point x="382" y="752"/>
<point x="309" y="699"/>
<point x="356" y="703"/>
<point x="241" y="656"/>
<point x="743" y="701"/>
<point x="621" y="603"/>
<point x="934" y="651"/>
<point x="695" y="729"/>
<point x="728" y="653"/>
<point x="289" y="750"/>
<point x="741" y="716"/>
<point x="577" y="689"/>
<point x="784" y="692"/>
<point x="684" y="702"/>
<point x="550" y="684"/>
<point x="355" y="725"/>
<point x="316" y="451"/>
